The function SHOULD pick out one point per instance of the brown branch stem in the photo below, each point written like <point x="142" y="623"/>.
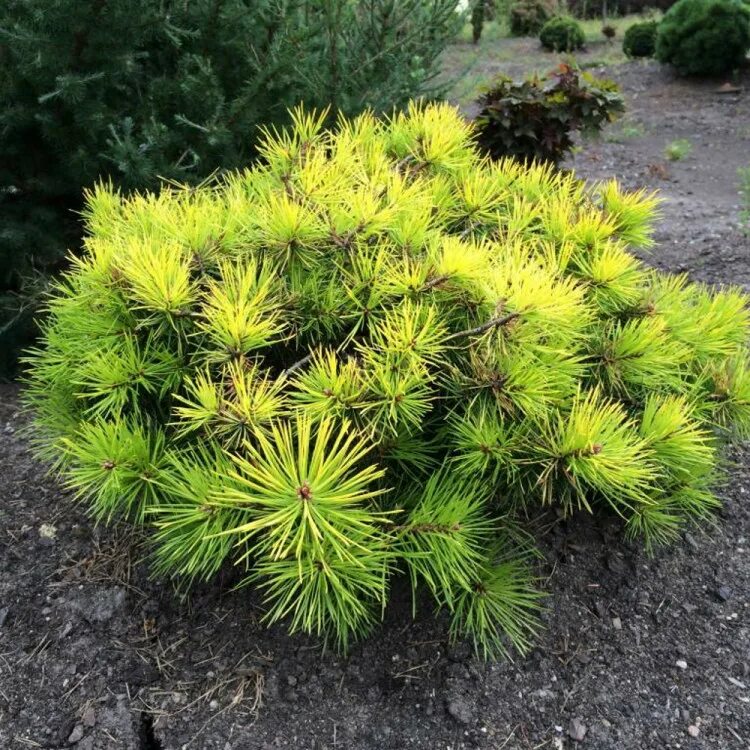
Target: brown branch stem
<point x="494" y="323"/>
<point x="434" y="282"/>
<point x="428" y="528"/>
<point x="299" y="363"/>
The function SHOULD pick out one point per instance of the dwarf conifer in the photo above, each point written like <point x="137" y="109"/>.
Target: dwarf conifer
<point x="373" y="353"/>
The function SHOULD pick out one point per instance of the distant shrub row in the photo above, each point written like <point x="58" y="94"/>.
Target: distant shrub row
<point x="697" y="37"/>
<point x="526" y="17"/>
<point x="595" y="8"/>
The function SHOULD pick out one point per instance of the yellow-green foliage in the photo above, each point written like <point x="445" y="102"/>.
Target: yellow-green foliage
<point x="368" y="355"/>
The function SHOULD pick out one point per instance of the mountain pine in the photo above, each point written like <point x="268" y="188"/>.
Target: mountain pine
<point x="373" y="353"/>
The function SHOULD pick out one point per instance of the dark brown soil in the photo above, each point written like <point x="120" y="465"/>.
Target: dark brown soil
<point x="637" y="653"/>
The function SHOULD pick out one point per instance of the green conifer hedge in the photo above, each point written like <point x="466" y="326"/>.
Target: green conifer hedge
<point x="704" y="37"/>
<point x="374" y="352"/>
<point x="562" y="34"/>
<point x="640" y="39"/>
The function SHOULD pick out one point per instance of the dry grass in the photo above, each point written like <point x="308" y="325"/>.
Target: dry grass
<point x="111" y="561"/>
<point x="238" y="689"/>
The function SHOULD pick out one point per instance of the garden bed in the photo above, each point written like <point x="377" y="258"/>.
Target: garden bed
<point x="638" y="652"/>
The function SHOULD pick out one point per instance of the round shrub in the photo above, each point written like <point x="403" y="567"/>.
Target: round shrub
<point x="562" y="34"/>
<point x="704" y="37"/>
<point x="378" y="352"/>
<point x="526" y="17"/>
<point x="640" y="39"/>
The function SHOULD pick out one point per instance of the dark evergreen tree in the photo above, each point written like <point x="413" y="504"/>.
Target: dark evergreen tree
<point x="134" y="90"/>
<point x="477" y="20"/>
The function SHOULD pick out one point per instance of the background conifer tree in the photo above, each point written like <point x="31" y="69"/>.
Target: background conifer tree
<point x="138" y="90"/>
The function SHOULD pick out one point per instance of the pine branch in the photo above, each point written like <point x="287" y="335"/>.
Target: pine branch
<point x="428" y="528"/>
<point x="81" y="38"/>
<point x="299" y="363"/>
<point x="494" y="323"/>
<point x="434" y="282"/>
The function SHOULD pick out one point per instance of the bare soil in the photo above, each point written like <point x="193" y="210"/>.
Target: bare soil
<point x="638" y="653"/>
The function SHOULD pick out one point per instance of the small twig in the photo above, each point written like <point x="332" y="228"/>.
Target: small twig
<point x="494" y="323"/>
<point x="299" y="363"/>
<point x="509" y="737"/>
<point x="428" y="528"/>
<point x="76" y="686"/>
<point x="434" y="282"/>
